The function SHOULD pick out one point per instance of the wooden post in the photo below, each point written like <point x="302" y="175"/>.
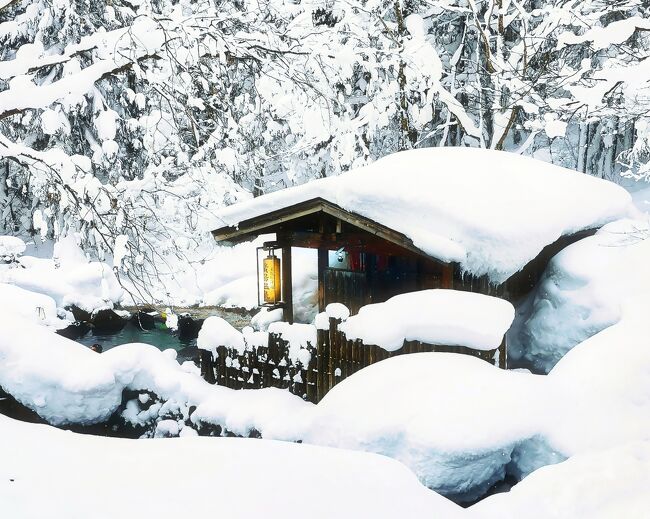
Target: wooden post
<point x="287" y="289"/>
<point x="207" y="368"/>
<point x="333" y="353"/>
<point x="447" y="276"/>
<point x="503" y="352"/>
<point x="323" y="263"/>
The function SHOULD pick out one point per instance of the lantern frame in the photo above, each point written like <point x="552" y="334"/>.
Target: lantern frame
<point x="269" y="247"/>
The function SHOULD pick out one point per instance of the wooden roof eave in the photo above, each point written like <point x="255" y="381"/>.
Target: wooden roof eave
<point x="250" y="228"/>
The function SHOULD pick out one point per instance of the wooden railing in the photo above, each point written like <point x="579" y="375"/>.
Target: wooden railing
<point x="333" y="359"/>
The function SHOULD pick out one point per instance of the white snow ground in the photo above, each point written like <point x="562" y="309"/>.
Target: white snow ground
<point x="62" y="475"/>
<point x="592" y="400"/>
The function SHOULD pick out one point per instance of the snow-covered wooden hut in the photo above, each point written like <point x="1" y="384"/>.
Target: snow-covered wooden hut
<point x="460" y="218"/>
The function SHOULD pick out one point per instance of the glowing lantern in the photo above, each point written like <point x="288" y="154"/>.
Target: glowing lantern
<point x="271" y="277"/>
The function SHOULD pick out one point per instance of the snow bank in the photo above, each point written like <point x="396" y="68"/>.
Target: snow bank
<point x="65" y="382"/>
<point x="457" y="204"/>
<point x="598" y="485"/>
<point x="11" y="247"/>
<point x="441" y="317"/>
<point x="34" y="307"/>
<point x="582" y="291"/>
<point x="423" y="410"/>
<point x="68" y="277"/>
<point x="104" y="477"/>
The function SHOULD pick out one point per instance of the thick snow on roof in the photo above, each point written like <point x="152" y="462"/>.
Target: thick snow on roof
<point x="490" y="211"/>
<point x="446" y="317"/>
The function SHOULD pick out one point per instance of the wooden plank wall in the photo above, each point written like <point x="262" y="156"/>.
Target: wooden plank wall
<point x="333" y="359"/>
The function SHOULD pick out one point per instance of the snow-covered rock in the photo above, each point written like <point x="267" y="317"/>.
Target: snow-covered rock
<point x="265" y="317"/>
<point x="216" y="332"/>
<point x="11" y="247"/>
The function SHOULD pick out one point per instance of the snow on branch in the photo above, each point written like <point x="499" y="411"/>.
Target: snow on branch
<point x="7" y="3"/>
<point x="602" y="37"/>
<point x="122" y="48"/>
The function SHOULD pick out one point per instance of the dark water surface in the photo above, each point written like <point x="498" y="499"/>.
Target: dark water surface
<point x="161" y="338"/>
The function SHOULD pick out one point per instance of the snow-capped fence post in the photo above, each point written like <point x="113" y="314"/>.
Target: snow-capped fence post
<point x="334" y="353"/>
<point x="311" y="377"/>
<point x="321" y="355"/>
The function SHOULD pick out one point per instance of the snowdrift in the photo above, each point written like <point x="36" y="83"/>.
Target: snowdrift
<point x="79" y="476"/>
<point x="583" y="291"/>
<point x="470" y="424"/>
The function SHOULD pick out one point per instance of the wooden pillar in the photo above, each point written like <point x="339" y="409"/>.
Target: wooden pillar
<point x="447" y="276"/>
<point x="287" y="290"/>
<point x="503" y="353"/>
<point x="323" y="263"/>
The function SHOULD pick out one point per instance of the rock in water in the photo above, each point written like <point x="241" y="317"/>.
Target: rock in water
<point x="144" y="319"/>
<point x="79" y="314"/>
<point x="107" y="321"/>
<point x="75" y="331"/>
<point x="188" y="328"/>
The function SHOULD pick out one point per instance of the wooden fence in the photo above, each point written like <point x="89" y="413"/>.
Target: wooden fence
<point x="333" y="359"/>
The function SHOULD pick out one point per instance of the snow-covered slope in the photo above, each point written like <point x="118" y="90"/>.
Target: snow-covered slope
<point x="490" y="211"/>
<point x="70" y="476"/>
<point x="422" y="409"/>
<point x="607" y="484"/>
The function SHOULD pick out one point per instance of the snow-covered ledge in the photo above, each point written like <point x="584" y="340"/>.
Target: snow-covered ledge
<point x="437" y="317"/>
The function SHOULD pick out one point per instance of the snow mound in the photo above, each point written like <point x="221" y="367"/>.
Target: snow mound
<point x="68" y="277"/>
<point x="599" y="485"/>
<point x="34" y="307"/>
<point x="457" y="204"/>
<point x="435" y="434"/>
<point x="11" y="247"/>
<point x="441" y="317"/>
<point x="216" y="332"/>
<point x="93" y="472"/>
<point x="582" y="292"/>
